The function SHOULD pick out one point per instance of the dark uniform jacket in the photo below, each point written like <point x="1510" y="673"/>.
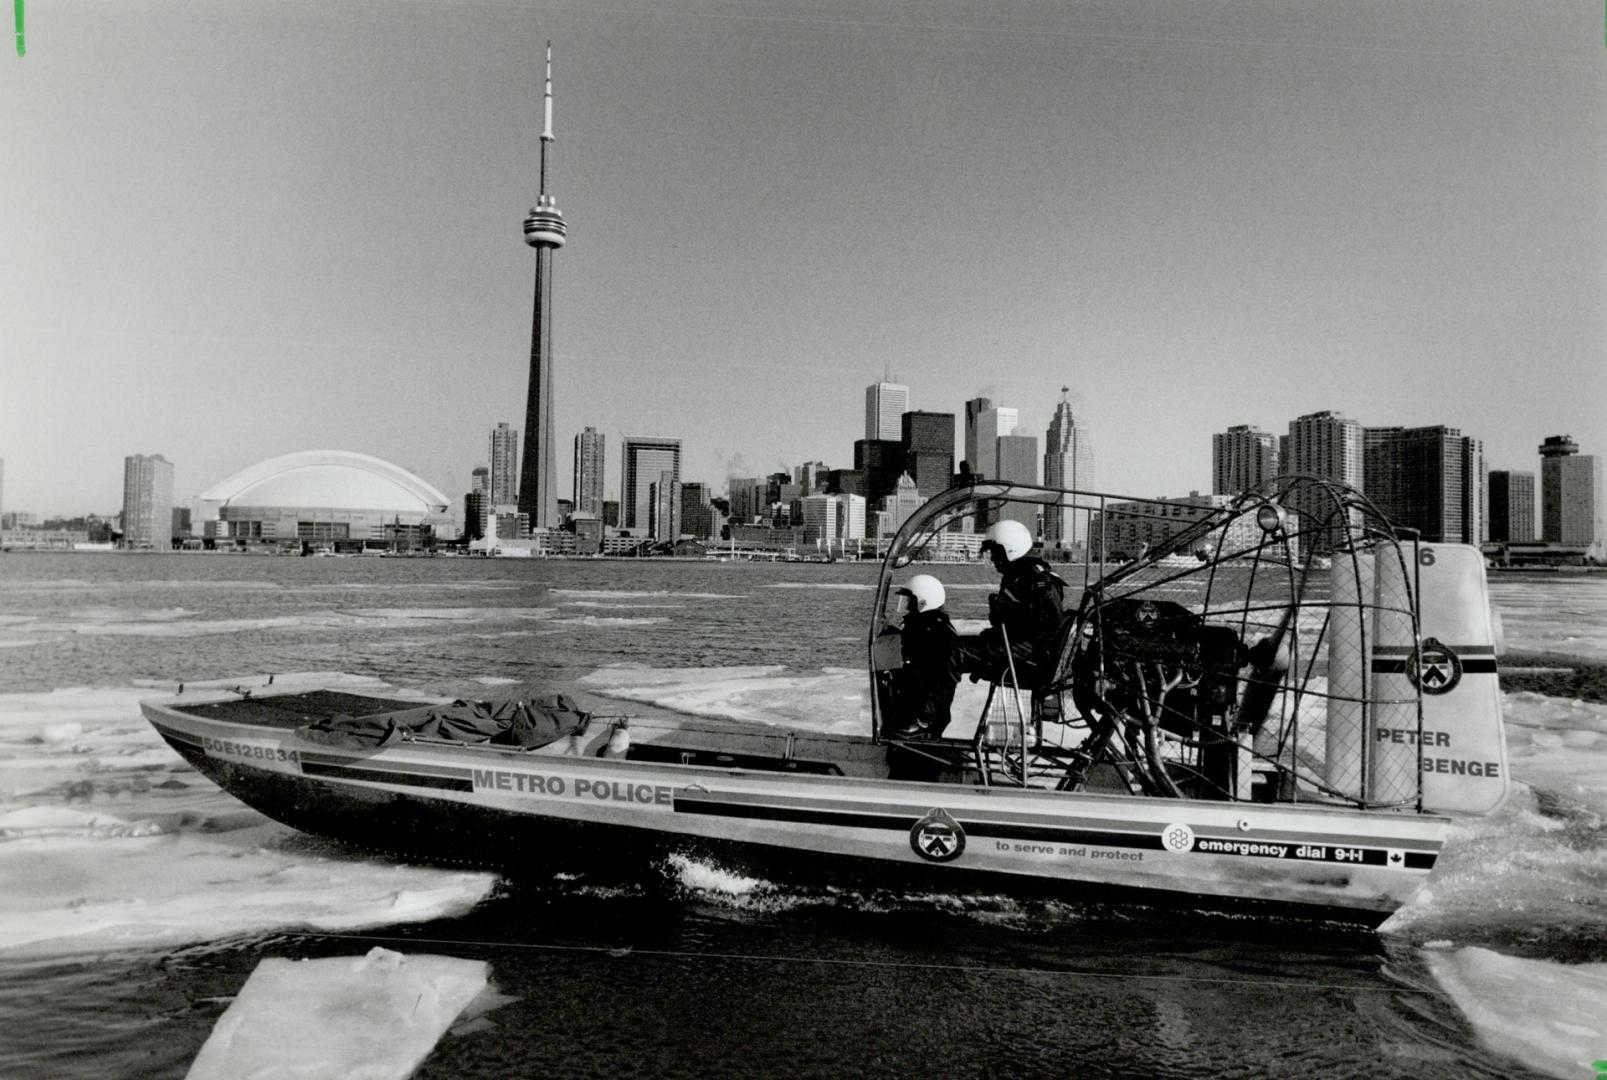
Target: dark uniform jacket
<point x="925" y="685"/>
<point x="1028" y="605"/>
<point x="1027" y="608"/>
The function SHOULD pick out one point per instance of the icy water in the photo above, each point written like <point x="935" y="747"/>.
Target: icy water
<point x="135" y="898"/>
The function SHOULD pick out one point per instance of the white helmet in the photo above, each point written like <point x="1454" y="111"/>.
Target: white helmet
<point x="926" y="591"/>
<point x="1010" y="537"/>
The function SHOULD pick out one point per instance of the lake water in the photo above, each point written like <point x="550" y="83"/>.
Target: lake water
<point x="135" y="898"/>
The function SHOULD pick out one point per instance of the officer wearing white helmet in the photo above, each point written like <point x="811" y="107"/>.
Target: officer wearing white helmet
<point x="924" y="687"/>
<point x="1027" y="609"/>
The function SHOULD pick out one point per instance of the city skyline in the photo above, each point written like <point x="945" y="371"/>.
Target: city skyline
<point x="1179" y="213"/>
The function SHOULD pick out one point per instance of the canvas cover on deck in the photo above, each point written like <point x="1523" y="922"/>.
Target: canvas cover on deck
<point x="527" y="722"/>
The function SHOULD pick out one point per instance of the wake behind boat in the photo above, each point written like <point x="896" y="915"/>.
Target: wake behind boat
<point x="1219" y="723"/>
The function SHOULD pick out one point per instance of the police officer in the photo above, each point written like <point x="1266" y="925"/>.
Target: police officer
<point x="924" y="687"/>
<point x="1027" y="610"/>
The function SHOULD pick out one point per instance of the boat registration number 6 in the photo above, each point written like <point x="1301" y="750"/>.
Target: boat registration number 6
<point x="250" y="751"/>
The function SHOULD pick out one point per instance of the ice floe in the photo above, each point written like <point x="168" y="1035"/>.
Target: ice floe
<point x="1551" y="1017"/>
<point x="374" y="1017"/>
<point x="109" y="840"/>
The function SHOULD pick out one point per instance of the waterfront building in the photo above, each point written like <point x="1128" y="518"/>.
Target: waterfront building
<point x="544" y="230"/>
<point x="611" y="513"/>
<point x="36" y="538"/>
<point x="766" y="537"/>
<point x="1130" y="529"/>
<point x="1242" y="459"/>
<point x="1570" y="493"/>
<point x="664" y="494"/>
<point x="819" y="519"/>
<point x="697" y="515"/>
<point x="1068" y="462"/>
<point x="644" y="460"/>
<point x="885" y="405"/>
<point x="850" y="520"/>
<point x="504" y="472"/>
<point x="476" y="508"/>
<point x="666" y="523"/>
<point x="1430" y="479"/>
<point x="147" y="502"/>
<point x="1326" y="445"/>
<point x="328" y="497"/>
<point x="512" y="523"/>
<point x="950" y="546"/>
<point x="1511" y="507"/>
<point x="928" y="444"/>
<point x="588" y="534"/>
<point x="588" y="485"/>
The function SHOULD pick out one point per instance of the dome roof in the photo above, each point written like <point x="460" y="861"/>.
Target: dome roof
<point x="334" y="479"/>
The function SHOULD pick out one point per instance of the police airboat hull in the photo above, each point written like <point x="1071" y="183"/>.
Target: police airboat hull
<point x="1087" y="784"/>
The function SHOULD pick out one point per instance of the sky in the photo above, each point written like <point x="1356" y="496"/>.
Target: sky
<point x="237" y="230"/>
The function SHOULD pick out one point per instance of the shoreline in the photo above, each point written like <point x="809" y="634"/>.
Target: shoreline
<point x="1555" y="675"/>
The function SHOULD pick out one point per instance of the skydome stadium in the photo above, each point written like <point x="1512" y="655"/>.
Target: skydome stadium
<point x="325" y="499"/>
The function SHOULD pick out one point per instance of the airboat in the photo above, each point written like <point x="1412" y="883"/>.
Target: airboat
<point x="1271" y="704"/>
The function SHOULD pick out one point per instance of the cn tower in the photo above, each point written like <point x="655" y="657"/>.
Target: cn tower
<point x="544" y="231"/>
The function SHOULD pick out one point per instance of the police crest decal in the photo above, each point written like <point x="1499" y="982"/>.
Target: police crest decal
<point x="937" y="837"/>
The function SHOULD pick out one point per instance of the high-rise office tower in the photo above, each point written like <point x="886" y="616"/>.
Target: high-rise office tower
<point x="544" y="230"/>
<point x="476" y="509"/>
<point x="1381" y="469"/>
<point x="504" y="464"/>
<point x="588" y="492"/>
<point x="1242" y="459"/>
<point x="480" y="480"/>
<point x="1016" y="459"/>
<point x="850" y="519"/>
<point x="928" y="440"/>
<point x="697" y="516"/>
<point x="904" y="501"/>
<point x="1570" y="493"/>
<point x="1511" y="506"/>
<point x="664" y="495"/>
<point x="885" y="404"/>
<point x="811" y="476"/>
<point x="747" y="498"/>
<point x="982" y="434"/>
<point x="880" y="461"/>
<point x="974" y="409"/>
<point x="643" y="462"/>
<point x="819" y="519"/>
<point x="1329" y="446"/>
<point x="1068" y="462"/>
<point x="147" y="502"/>
<point x="1430" y="479"/>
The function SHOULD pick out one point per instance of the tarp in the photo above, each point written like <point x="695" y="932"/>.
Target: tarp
<point x="527" y="722"/>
